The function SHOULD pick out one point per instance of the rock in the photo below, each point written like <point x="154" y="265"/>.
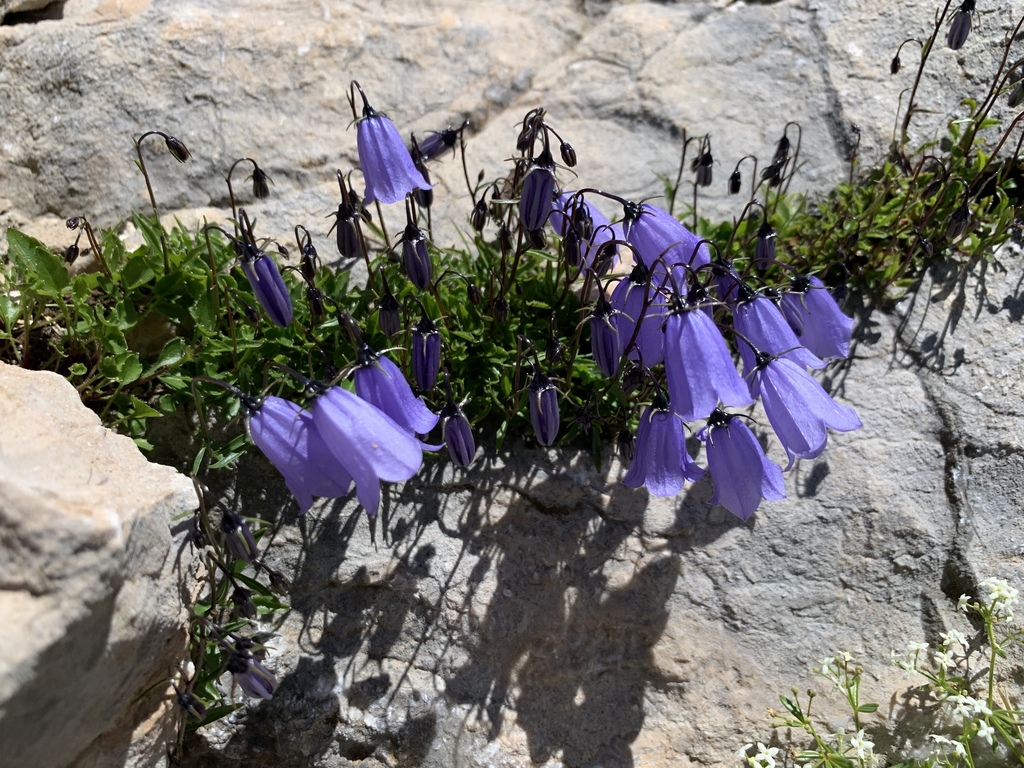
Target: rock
<point x="532" y="611"/>
<point x="91" y="583"/>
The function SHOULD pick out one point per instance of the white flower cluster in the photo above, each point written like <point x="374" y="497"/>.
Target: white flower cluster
<point x="765" y="757"/>
<point x="1001" y="598"/>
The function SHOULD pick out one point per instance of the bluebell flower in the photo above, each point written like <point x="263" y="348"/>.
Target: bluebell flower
<point x="238" y="538"/>
<point x="960" y="27"/>
<point x="627" y="300"/>
<point x="379" y="381"/>
<point x="388" y="169"/>
<point x="367" y="442"/>
<point x="762" y="325"/>
<point x="661" y="461"/>
<point x="605" y="339"/>
<point x="742" y="475"/>
<point x="287" y="435"/>
<point x="426" y="353"/>
<point x="655" y="233"/>
<point x="416" y="257"/>
<point x="798" y="408"/>
<point x="544" y="408"/>
<point x="699" y="368"/>
<point x="764" y="246"/>
<point x="816" y="318"/>
<point x="538" y="193"/>
<point x="252" y="677"/>
<point x="436" y="143"/>
<point x="458" y="434"/>
<point x="267" y="285"/>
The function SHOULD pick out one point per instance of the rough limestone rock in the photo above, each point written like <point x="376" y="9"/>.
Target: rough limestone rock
<point x="532" y="611"/>
<point x="91" y="584"/>
<point x="620" y="80"/>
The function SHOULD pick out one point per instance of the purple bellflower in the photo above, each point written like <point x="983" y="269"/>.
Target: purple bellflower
<point x="798" y="408"/>
<point x="367" y="442"/>
<point x="416" y="256"/>
<point x="252" y="677"/>
<point x="605" y="339"/>
<point x="661" y="461"/>
<point x="267" y="285"/>
<point x="288" y="437"/>
<point x="388" y="169"/>
<point x="238" y="538"/>
<point x="816" y="318"/>
<point x="698" y="366"/>
<point x="741" y="473"/>
<point x="960" y="27"/>
<point x="458" y="435"/>
<point x="761" y="323"/>
<point x="544" y="408"/>
<point x="535" y="202"/>
<point x="426" y="353"/>
<point x="380" y="382"/>
<point x="627" y="300"/>
<point x="655" y="233"/>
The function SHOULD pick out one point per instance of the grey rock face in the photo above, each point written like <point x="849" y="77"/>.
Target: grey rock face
<point x="531" y="611"/>
<point x="90" y="583"/>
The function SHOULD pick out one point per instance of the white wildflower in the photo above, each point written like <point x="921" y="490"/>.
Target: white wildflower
<point x="963" y="603"/>
<point x="944" y="659"/>
<point x="862" y="748"/>
<point x="953" y="637"/>
<point x="987" y="732"/>
<point x="765" y="757"/>
<point x="741" y="753"/>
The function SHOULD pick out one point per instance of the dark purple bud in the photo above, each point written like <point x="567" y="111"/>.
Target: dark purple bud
<point x="416" y="257"/>
<point x="764" y="247"/>
<point x="315" y="299"/>
<point x="177" y="149"/>
<point x="279" y="583"/>
<point x="389" y="315"/>
<point x="307" y="263"/>
<point x="1016" y="95"/>
<point x="479" y="216"/>
<point x="782" y="150"/>
<point x="74" y="222"/>
<point x="703" y="165"/>
<point x="473" y="294"/>
<point x="426" y="353"/>
<point x="197" y="535"/>
<point x="544" y="409"/>
<point x="773" y="174"/>
<point x="735" y="182"/>
<point x="626" y="444"/>
<point x="537" y="196"/>
<point x="958" y="221"/>
<point x="960" y="27"/>
<point x="554" y="349"/>
<point x="268" y="287"/>
<point x="349" y="244"/>
<point x="71" y="253"/>
<point x="895" y="64"/>
<point x="260" y="183"/>
<point x="505" y="239"/>
<point x="251" y="313"/>
<point x="238" y="539"/>
<point x="458" y="434"/>
<point x="501" y="308"/>
<point x="568" y="154"/>
<point x="571" y="250"/>
<point x="437" y="143"/>
<point x="424" y="197"/>
<point x="632" y="378"/>
<point x="242" y="600"/>
<point x="194" y="708"/>
<point x="605" y="341"/>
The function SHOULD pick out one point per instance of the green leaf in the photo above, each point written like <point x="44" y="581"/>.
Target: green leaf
<point x="136" y="272"/>
<point x="141" y="410"/>
<point x="172" y="354"/>
<point x="867" y="708"/>
<point x="37" y="262"/>
<point x="77" y="369"/>
<point x="9" y="311"/>
<point x="213" y="714"/>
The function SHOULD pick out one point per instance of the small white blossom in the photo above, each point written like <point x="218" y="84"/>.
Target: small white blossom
<point x="741" y="753"/>
<point x="862" y="748"/>
<point x="987" y="732"/>
<point x="944" y="659"/>
<point x="963" y="603"/>
<point x="953" y="637"/>
<point x="913" y="648"/>
<point x="765" y="757"/>
<point x="964" y="705"/>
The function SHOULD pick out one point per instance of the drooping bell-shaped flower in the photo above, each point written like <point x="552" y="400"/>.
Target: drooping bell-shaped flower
<point x="762" y="325"/>
<point x="627" y="300"/>
<point x="238" y="538"/>
<point x="661" y="461"/>
<point x="346" y="222"/>
<point x="544" y="408"/>
<point x="367" y="442"/>
<point x="816" y="318"/>
<point x="698" y="366"/>
<point x="416" y="257"/>
<point x="605" y="340"/>
<point x="387" y="166"/>
<point x="267" y="285"/>
<point x="798" y="408"/>
<point x="252" y="677"/>
<point x="655" y="233"/>
<point x="379" y="381"/>
<point x="960" y="27"/>
<point x="436" y="143"/>
<point x="426" y="353"/>
<point x="741" y="473"/>
<point x="538" y="194"/>
<point x="286" y="434"/>
<point x="764" y="246"/>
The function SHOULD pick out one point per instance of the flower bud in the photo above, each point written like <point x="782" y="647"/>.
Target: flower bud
<point x="735" y="182"/>
<point x="473" y="294"/>
<point x="388" y="314"/>
<point x="260" y="186"/>
<point x="238" y="539"/>
<point x="894" y="65"/>
<point x="71" y="253"/>
<point x="416" y="257"/>
<point x="568" y="154"/>
<point x="703" y="166"/>
<point x="960" y="27"/>
<point x="782" y="150"/>
<point x="426" y="353"/>
<point x="501" y="308"/>
<point x="537" y="195"/>
<point x="764" y="247"/>
<point x="194" y="708"/>
<point x="1016" y="95"/>
<point x="242" y="599"/>
<point x="458" y="435"/>
<point x="958" y="221"/>
<point x="544" y="409"/>
<point x="479" y="217"/>
<point x="177" y="149"/>
<point x="74" y="222"/>
<point x="251" y="676"/>
<point x="626" y="444"/>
